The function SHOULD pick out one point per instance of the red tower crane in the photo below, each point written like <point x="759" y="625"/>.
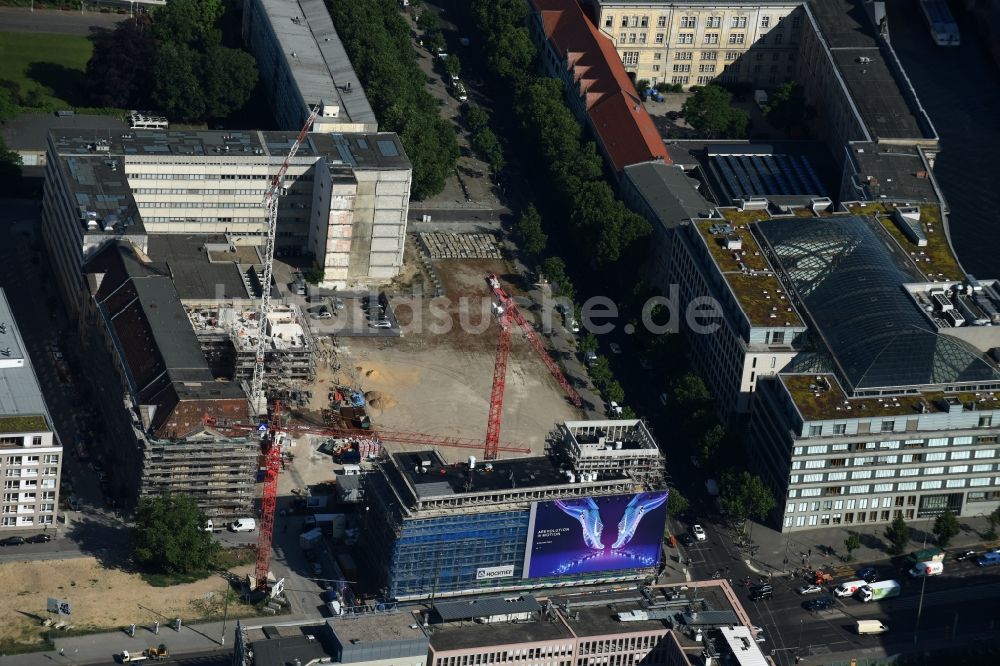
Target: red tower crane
<point x="507" y="313"/>
<point x="398" y="436"/>
<point x="272" y="450"/>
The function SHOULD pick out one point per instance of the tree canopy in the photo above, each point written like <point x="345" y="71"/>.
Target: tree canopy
<point x="946" y="528"/>
<point x="174" y="61"/>
<point x="10" y="170"/>
<point x="743" y="495"/>
<point x="528" y="233"/>
<point x="169" y="536"/>
<point x="898" y="534"/>
<point x="709" y="110"/>
<point x="377" y="39"/>
<point x="786" y="106"/>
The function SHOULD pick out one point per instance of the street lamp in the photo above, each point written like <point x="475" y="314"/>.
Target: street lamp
<point x="920" y="608"/>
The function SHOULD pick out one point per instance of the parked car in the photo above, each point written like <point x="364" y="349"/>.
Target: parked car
<point x="12" y="541"/>
<point x="868" y="574"/>
<point x="818" y="604"/>
<point x="380" y="324"/>
<point x="615" y="348"/>
<point x="964" y="555"/>
<point x="687" y="540"/>
<point x="590" y="358"/>
<point x="809" y="589"/>
<point x="38" y="538"/>
<point x="699" y="533"/>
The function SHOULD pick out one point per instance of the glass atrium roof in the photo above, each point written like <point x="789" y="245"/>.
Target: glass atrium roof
<point x="850" y="278"/>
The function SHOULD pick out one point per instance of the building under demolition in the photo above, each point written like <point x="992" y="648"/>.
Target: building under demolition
<point x="153" y="366"/>
<point x="228" y="336"/>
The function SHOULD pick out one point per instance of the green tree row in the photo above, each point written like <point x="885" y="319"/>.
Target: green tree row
<point x="601" y="228"/>
<point x="377" y="39"/>
<point x="484" y="141"/>
<point x="174" y="61"/>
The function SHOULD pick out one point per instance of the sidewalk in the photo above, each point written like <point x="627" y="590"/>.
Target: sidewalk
<point x="205" y="637"/>
<point x="782" y="552"/>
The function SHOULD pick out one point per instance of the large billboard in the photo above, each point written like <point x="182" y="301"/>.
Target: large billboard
<point x="591" y="534"/>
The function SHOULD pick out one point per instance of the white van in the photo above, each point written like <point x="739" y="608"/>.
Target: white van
<point x="871" y="627"/>
<point x="243" y="525"/>
<point x="921" y="569"/>
<point x="209" y="525"/>
<point x="848" y="588"/>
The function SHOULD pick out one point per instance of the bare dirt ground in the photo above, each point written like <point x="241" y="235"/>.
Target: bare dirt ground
<point x="439" y="381"/>
<point x="102" y="598"/>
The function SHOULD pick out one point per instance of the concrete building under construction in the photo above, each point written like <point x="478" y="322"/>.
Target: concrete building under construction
<point x="228" y="336"/>
<point x="611" y="446"/>
<point x="156" y="389"/>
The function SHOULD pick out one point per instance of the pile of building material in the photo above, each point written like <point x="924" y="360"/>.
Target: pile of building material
<point x="460" y="246"/>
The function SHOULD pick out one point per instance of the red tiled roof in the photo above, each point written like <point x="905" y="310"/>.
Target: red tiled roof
<point x="622" y="124"/>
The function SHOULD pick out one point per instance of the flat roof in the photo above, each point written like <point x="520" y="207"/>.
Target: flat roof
<point x="935" y="261"/>
<point x="898" y="173"/>
<point x="870" y="70"/>
<point x="603" y="619"/>
<point x="820" y="397"/>
<point x="21" y="396"/>
<point x="288" y="650"/>
<point x="320" y="66"/>
<point x="378" y="150"/>
<point x="30" y="131"/>
<point x="438" y="478"/>
<point x="467" y="609"/>
<point x="746" y="271"/>
<point x="374" y="627"/>
<point x="466" y="635"/>
<point x="743" y="171"/>
<point x="100" y="192"/>
<point x="744" y="647"/>
<point x="195" y="275"/>
<point x="671" y="195"/>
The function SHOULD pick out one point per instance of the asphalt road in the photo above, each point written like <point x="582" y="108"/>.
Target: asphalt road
<point x="960" y="89"/>
<point x="22" y="19"/>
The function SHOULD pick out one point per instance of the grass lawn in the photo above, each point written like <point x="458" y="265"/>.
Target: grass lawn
<point x="52" y="64"/>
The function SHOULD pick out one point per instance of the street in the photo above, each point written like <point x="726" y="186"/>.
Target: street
<point x="56" y="21"/>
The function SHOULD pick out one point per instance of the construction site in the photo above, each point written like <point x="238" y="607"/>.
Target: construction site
<point x="228" y="337"/>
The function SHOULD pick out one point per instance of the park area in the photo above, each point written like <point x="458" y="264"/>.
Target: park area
<point x="47" y="69"/>
<point x="102" y="599"/>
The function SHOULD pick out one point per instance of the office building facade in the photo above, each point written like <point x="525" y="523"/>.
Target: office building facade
<point x="344" y="200"/>
<point x="31" y="455"/>
<point x="696" y="43"/>
<point x="443" y="530"/>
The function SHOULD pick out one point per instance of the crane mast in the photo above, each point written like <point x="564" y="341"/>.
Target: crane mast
<point x="258" y="401"/>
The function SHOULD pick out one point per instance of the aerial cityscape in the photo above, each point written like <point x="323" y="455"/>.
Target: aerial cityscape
<point x="484" y="332"/>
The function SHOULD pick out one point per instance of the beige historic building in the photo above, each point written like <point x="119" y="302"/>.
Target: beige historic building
<point x="693" y="43"/>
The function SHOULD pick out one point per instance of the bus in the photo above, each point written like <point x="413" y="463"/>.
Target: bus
<point x="944" y="30"/>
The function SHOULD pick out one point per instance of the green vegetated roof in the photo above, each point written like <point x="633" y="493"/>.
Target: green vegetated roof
<point x="23" y="423"/>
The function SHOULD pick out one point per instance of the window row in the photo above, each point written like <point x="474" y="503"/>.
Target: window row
<point x="863" y="489"/>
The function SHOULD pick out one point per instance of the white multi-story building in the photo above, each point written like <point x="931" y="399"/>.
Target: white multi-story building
<point x="30" y="452"/>
<point x="303" y="65"/>
<point x="344" y="200"/>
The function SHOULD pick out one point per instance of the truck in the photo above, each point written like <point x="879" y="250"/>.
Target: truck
<point x="883" y="589"/>
<point x="848" y="588"/>
<point x="150" y="653"/>
<point x="925" y="555"/>
<point x="921" y="569"/>
<point x="871" y="627"/>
